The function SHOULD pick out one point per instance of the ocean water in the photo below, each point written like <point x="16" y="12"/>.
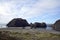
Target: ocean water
<point x="4" y="26"/>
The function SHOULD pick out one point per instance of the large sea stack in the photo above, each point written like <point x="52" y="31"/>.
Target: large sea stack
<point x="56" y="25"/>
<point x="18" y="22"/>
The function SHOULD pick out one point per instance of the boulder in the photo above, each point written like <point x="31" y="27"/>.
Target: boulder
<point x="56" y="25"/>
<point x="18" y="22"/>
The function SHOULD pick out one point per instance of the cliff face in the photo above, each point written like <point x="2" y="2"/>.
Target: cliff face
<point x="56" y="25"/>
<point x="18" y="22"/>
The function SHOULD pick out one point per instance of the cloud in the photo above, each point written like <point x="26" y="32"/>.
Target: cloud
<point x="28" y="9"/>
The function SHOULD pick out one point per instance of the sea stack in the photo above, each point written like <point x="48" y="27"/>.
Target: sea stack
<point x="18" y="22"/>
<point x="38" y="25"/>
<point x="56" y="25"/>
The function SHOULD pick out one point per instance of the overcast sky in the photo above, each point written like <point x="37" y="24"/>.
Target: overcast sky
<point x="32" y="10"/>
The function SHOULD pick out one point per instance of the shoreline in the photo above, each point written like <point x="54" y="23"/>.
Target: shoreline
<point x="19" y="29"/>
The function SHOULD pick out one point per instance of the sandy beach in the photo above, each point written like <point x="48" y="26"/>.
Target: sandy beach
<point x="27" y="29"/>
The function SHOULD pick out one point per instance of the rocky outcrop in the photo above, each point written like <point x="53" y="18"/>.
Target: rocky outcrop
<point x="18" y="22"/>
<point x="56" y="25"/>
<point x="43" y="25"/>
<point x="38" y="25"/>
<point x="31" y="25"/>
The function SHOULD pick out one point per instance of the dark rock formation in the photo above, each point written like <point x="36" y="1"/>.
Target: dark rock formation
<point x="38" y="25"/>
<point x="31" y="25"/>
<point x="43" y="25"/>
<point x="56" y="25"/>
<point x="18" y="22"/>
